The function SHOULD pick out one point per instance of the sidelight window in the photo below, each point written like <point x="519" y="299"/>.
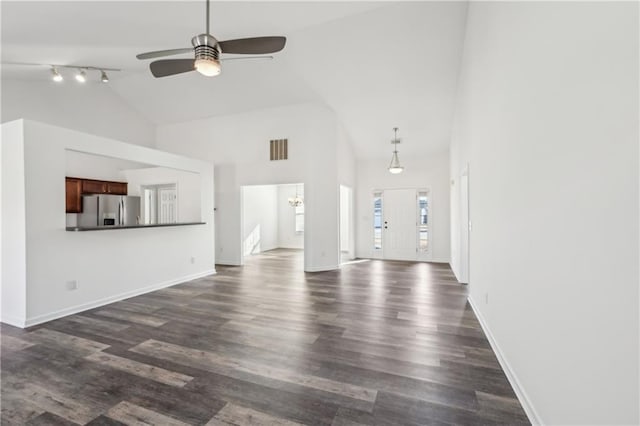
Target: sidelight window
<point x="377" y="221"/>
<point x="423" y="222"/>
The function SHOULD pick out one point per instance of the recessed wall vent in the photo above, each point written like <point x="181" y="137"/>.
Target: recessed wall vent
<point x="278" y="149"/>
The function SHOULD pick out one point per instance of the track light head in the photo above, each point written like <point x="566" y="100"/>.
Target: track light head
<point x="103" y="77"/>
<point x="81" y="76"/>
<point x="56" y="75"/>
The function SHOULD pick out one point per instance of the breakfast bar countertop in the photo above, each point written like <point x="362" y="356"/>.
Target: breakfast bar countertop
<point x="112" y="227"/>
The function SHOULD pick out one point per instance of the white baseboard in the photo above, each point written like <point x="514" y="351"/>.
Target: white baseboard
<point x="228" y="262"/>
<point x="434" y="260"/>
<point x="531" y="412"/>
<point x="354" y="261"/>
<point x="321" y="268"/>
<point x="97" y="303"/>
<point x="16" y="322"/>
<point x="455" y="273"/>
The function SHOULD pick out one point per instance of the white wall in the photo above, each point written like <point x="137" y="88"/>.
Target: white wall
<point x="259" y="218"/>
<point x="188" y="186"/>
<point x="92" y="108"/>
<point x="108" y="265"/>
<point x="13" y="261"/>
<point x="547" y="119"/>
<point x="347" y="177"/>
<point x="88" y="166"/>
<point x="287" y="236"/>
<point x="238" y="146"/>
<point x="345" y="222"/>
<point x="431" y="173"/>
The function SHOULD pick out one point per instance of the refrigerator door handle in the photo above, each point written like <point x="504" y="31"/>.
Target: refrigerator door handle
<point x="121" y="218"/>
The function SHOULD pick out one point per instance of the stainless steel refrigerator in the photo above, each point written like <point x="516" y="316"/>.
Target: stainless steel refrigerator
<point x="109" y="210"/>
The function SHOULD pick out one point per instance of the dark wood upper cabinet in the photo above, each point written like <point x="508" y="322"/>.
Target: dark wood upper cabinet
<point x="77" y="187"/>
<point x="74" y="195"/>
<point x="94" y="186"/>
<point x="117" y="188"/>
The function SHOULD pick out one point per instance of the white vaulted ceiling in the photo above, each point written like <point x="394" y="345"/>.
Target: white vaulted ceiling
<point x="376" y="64"/>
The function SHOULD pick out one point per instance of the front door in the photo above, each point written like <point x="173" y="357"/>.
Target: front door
<point x="399" y="224"/>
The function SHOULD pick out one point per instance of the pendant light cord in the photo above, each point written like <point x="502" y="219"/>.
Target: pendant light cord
<point x="395" y="140"/>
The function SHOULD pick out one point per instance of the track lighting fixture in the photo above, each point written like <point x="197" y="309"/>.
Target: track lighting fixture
<point x="81" y="76"/>
<point x="56" y="75"/>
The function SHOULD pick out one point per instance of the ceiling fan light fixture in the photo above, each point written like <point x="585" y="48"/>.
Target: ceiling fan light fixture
<point x="207" y="66"/>
<point x="207" y="53"/>
<point x="81" y="76"/>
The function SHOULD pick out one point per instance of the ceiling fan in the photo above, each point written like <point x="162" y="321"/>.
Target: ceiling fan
<point x="207" y="50"/>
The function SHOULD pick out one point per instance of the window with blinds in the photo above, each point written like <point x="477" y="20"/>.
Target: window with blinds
<point x="278" y="149"/>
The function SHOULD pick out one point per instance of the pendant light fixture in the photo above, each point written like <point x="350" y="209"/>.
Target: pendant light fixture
<point x="103" y="77"/>
<point x="297" y="200"/>
<point x="394" y="166"/>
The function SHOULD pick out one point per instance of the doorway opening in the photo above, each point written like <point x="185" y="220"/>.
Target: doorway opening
<point x="159" y="203"/>
<point x="273" y="221"/>
<point x="465" y="227"/>
<point x="347" y="228"/>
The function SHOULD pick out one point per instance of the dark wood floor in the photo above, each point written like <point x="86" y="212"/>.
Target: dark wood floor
<point x="376" y="343"/>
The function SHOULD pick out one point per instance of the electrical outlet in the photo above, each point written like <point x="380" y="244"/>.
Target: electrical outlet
<point x="193" y="260"/>
<point x="486" y="298"/>
<point x="72" y="285"/>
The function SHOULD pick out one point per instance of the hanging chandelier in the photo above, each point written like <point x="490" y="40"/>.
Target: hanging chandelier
<point x="394" y="166"/>
<point x="297" y="200"/>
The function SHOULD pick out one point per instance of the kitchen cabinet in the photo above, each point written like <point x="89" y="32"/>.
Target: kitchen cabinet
<point x="94" y="187"/>
<point x="90" y="186"/>
<point x="117" y="188"/>
<point x="74" y="195"/>
<point x="77" y="187"/>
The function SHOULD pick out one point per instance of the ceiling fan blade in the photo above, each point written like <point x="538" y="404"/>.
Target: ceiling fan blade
<point x="253" y="46"/>
<point x="167" y="67"/>
<point x="246" y="58"/>
<point x="161" y="53"/>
